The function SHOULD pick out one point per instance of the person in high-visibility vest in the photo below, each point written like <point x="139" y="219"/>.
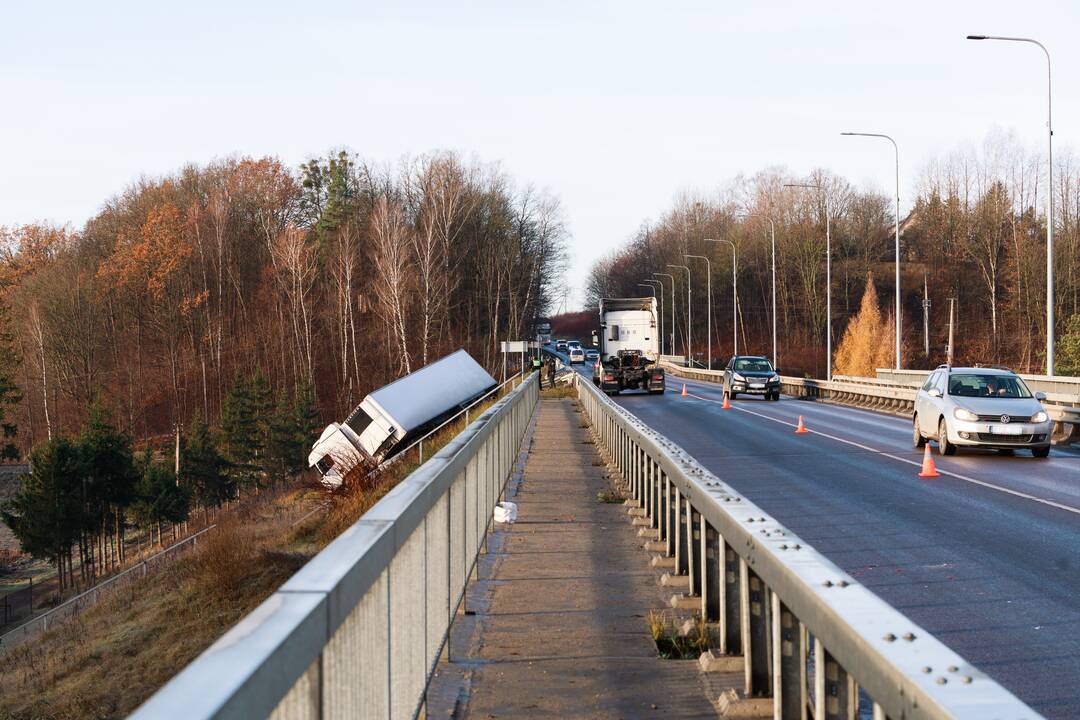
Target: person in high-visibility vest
<point x="536" y="363"/>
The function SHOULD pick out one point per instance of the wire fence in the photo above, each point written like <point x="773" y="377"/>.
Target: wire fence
<point x="87" y="598"/>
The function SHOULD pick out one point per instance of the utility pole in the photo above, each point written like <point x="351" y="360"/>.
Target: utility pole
<point x="949" y="354"/>
<point x="925" y="317"/>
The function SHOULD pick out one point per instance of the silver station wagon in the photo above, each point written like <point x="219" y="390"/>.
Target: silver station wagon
<point x="980" y="407"/>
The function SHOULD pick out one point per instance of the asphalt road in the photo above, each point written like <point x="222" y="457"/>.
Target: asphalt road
<point x="987" y="557"/>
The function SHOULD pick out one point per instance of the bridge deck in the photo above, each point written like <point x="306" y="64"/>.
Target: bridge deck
<point x="562" y="603"/>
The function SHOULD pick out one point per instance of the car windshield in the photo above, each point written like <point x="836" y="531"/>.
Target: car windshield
<point x="753" y="365"/>
<point x="996" y="386"/>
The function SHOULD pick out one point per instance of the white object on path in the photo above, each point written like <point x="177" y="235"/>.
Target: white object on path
<point x="505" y="512"/>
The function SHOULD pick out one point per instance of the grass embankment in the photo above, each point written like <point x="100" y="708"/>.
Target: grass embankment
<point x="105" y="662"/>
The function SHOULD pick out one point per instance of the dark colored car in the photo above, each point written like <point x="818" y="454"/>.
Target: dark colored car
<point x="751" y="375"/>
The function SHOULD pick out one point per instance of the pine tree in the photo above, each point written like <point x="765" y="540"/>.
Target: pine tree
<point x="1068" y="348"/>
<point x="240" y="434"/>
<point x="158" y="496"/>
<point x="46" y="515"/>
<point x="203" y="471"/>
<point x="109" y="481"/>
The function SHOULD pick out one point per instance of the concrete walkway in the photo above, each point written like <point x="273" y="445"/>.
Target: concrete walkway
<point x="562" y="602"/>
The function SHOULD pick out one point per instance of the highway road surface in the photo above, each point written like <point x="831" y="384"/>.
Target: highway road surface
<point x="987" y="557"/>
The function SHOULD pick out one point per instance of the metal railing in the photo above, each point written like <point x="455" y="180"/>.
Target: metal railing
<point x="85" y="599"/>
<point x="358" y="631"/>
<point x="891" y="395"/>
<point x="810" y="635"/>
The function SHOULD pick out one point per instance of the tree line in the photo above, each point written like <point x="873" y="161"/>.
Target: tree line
<point x="975" y="233"/>
<point x="239" y="305"/>
<point x="83" y="493"/>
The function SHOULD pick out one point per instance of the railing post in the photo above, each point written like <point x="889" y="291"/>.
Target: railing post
<point x="731" y="602"/>
<point x="789" y="663"/>
<point x="693" y="588"/>
<point x="680" y="551"/>
<point x="835" y="695"/>
<point x="754" y="623"/>
<point x="670" y="508"/>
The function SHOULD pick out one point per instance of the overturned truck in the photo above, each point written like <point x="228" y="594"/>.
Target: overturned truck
<point x="388" y="419"/>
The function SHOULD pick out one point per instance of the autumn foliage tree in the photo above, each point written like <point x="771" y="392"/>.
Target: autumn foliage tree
<point x="867" y="343"/>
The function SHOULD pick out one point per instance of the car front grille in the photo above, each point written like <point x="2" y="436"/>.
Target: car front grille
<point x="1012" y="418"/>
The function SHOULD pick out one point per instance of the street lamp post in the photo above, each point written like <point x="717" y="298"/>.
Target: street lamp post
<point x="1049" y="196"/>
<point x="734" y="298"/>
<point x="772" y="230"/>
<point x="689" y="315"/>
<point x="828" y="278"/>
<point x="896" y="153"/>
<point x="653" y="284"/>
<point x="708" y="305"/>
<point x="671" y="343"/>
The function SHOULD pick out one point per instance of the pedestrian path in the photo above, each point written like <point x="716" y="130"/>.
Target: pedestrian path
<point x="562" y="602"/>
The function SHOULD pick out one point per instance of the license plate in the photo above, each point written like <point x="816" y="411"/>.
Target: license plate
<point x="1006" y="430"/>
<point x="757" y="386"/>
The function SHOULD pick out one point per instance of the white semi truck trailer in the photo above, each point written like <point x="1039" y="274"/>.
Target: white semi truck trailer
<point x="390" y="417"/>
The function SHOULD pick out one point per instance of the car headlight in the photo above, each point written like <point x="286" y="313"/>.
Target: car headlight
<point x="964" y="414"/>
<point x="737" y="377"/>
<point x="1040" y="417"/>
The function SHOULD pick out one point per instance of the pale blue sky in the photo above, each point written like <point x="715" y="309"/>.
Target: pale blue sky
<point x="616" y="107"/>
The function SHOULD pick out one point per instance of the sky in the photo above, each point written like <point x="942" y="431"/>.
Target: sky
<point x="615" y="107"/>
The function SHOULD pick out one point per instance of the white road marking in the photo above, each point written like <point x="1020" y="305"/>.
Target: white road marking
<point x="958" y="476"/>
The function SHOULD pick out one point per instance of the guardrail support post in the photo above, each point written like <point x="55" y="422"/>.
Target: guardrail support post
<point x="755" y="631"/>
<point x="693" y="551"/>
<point x="680" y="536"/>
<point x="731" y="601"/>
<point x="789" y="663"/>
<point x="711" y="571"/>
<point x="670" y="508"/>
<point x="836" y="696"/>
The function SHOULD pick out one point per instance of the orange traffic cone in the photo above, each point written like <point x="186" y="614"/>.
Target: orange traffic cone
<point x="802" y="428"/>
<point x="928" y="468"/>
<point x="684" y="389"/>
<point x="727" y="404"/>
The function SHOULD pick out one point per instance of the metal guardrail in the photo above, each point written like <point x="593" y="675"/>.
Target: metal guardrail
<point x="358" y="631"/>
<point x="892" y="396"/>
<point x="779" y="603"/>
<point x="75" y="605"/>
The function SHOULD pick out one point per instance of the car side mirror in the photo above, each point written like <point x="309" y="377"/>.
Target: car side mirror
<point x="1040" y="395"/>
<point x="934" y="393"/>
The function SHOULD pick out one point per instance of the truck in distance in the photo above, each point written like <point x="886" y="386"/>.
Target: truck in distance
<point x="629" y="347"/>
<point x="389" y="418"/>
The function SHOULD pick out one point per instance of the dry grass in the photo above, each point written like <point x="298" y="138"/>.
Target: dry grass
<point x="674" y="645"/>
<point x="106" y="661"/>
<point x="563" y="391"/>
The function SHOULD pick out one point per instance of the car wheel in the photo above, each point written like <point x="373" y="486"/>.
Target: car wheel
<point x="944" y="446"/>
<point x="1040" y="452"/>
<point x="776" y="396"/>
<point x="732" y="396"/>
<point x="917" y="439"/>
